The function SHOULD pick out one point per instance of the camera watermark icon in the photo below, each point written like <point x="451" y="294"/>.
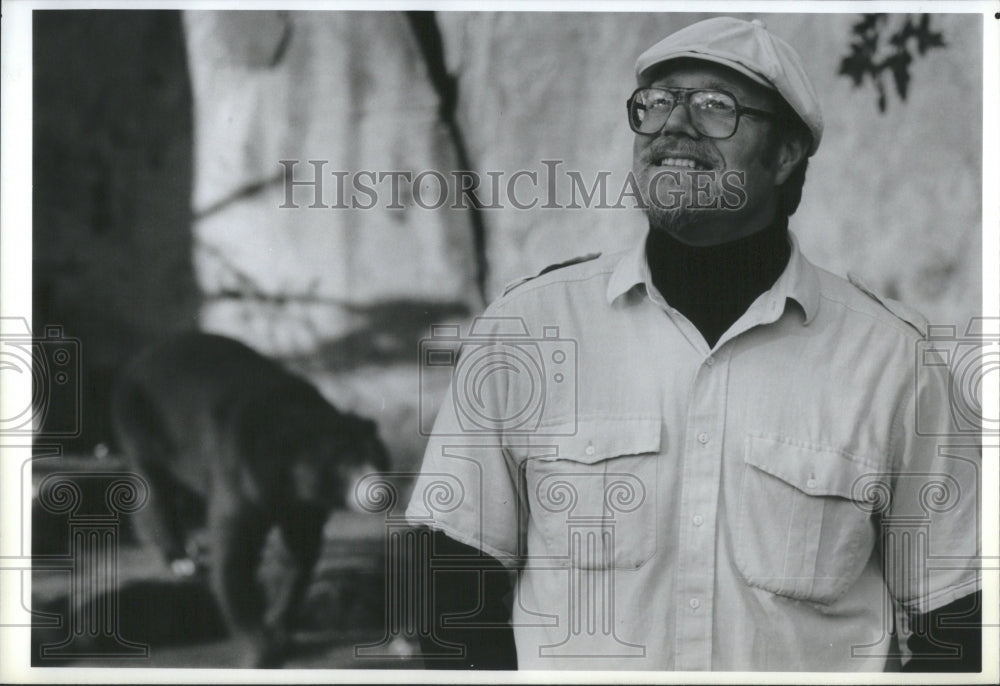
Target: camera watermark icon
<point x="972" y="360"/>
<point x="52" y="363"/>
<point x="504" y="379"/>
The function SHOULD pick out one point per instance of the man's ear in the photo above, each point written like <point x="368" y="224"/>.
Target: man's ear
<point x="791" y="150"/>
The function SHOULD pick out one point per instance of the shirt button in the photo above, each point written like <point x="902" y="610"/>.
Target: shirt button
<point x="811" y="483"/>
<point x="694" y="603"/>
<point x="697" y="520"/>
<point x="590" y="449"/>
<point x="710" y="361"/>
<point x="703" y="438"/>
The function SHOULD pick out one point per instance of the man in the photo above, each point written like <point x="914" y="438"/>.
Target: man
<point x="701" y="453"/>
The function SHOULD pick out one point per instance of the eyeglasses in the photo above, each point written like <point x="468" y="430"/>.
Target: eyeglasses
<point x="713" y="113"/>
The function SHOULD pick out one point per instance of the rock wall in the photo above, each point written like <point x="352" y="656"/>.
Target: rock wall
<point x="343" y="294"/>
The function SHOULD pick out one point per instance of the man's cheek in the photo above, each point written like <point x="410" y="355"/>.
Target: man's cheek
<point x="639" y="145"/>
<point x="734" y="195"/>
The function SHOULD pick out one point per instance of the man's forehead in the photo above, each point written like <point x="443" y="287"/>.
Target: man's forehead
<point x="693" y="73"/>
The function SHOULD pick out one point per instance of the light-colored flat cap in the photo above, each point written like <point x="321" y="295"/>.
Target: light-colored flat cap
<point x="749" y="48"/>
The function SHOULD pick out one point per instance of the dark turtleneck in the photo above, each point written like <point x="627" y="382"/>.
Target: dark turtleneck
<point x="714" y="285"/>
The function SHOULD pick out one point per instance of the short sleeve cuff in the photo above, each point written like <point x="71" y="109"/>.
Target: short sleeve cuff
<point x="416" y="518"/>
<point x="937" y="599"/>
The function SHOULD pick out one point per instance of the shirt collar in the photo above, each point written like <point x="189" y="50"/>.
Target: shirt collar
<point x="799" y="281"/>
<point x="631" y="270"/>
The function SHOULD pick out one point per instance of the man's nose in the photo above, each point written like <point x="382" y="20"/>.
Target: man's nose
<point x="679" y="121"/>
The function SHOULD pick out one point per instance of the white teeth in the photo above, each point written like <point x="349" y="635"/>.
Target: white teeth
<point x="677" y="162"/>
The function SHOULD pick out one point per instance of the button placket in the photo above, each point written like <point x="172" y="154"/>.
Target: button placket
<point x="701" y="472"/>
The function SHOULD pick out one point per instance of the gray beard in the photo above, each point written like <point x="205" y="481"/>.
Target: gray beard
<point x="677" y="222"/>
<point x="678" y="216"/>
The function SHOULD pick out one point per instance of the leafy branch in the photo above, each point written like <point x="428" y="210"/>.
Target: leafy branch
<point x="870" y="58"/>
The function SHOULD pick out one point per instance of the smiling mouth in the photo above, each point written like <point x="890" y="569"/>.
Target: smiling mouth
<point x="681" y="163"/>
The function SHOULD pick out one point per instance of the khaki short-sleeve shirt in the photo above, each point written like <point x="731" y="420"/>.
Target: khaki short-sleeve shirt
<point x="779" y="501"/>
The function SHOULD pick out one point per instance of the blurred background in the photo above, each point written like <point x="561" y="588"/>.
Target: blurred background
<point x="158" y="186"/>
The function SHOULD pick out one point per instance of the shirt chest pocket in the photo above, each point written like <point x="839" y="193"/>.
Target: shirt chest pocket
<point x="804" y="530"/>
<point x="592" y="496"/>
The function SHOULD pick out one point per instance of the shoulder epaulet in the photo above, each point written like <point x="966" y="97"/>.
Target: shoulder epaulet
<point x="551" y="268"/>
<point x="901" y="311"/>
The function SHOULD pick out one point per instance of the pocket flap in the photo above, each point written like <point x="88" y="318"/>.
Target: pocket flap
<point x="815" y="470"/>
<point x="598" y="439"/>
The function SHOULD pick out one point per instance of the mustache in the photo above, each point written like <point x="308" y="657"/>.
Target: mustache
<point x="678" y="146"/>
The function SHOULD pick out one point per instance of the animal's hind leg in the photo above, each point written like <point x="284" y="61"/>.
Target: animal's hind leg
<point x="302" y="535"/>
<point x="238" y="534"/>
